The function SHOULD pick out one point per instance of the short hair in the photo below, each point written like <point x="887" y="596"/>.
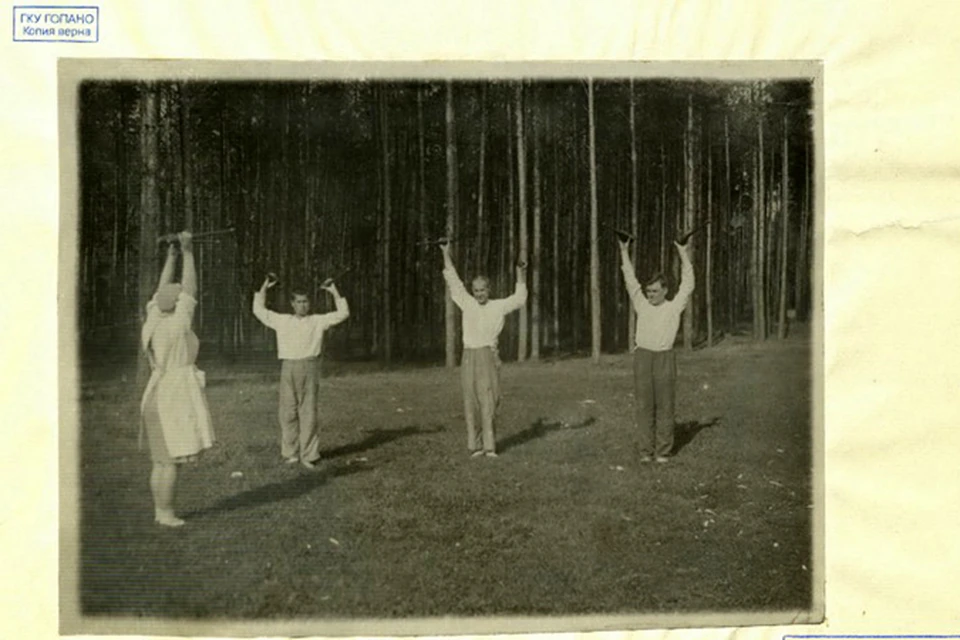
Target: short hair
<point x="655" y="278"/>
<point x="299" y="290"/>
<point x="484" y="279"/>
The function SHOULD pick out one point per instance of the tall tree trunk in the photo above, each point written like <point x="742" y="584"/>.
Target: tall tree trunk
<point x="754" y="301"/>
<point x="309" y="180"/>
<point x="376" y="277"/>
<point x="688" y="217"/>
<point x="128" y="207"/>
<point x="228" y="201"/>
<point x="505" y="199"/>
<point x="165" y="167"/>
<point x="149" y="211"/>
<point x="450" y="332"/>
<point x="709" y="268"/>
<point x="634" y="207"/>
<point x="663" y="209"/>
<point x="594" y="235"/>
<point x="118" y="199"/>
<point x="755" y="248"/>
<point x="254" y="218"/>
<point x="799" y="288"/>
<point x="481" y="243"/>
<point x="576" y="279"/>
<point x="404" y="238"/>
<point x="761" y="237"/>
<point x="522" y="213"/>
<point x="757" y="236"/>
<point x="386" y="290"/>
<point x="771" y="276"/>
<point x="423" y="323"/>
<point x="506" y="216"/>
<point x="535" y="262"/>
<point x="732" y="267"/>
<point x="555" y="253"/>
<point x="784" y="230"/>
<point x="225" y="317"/>
<point x="186" y="157"/>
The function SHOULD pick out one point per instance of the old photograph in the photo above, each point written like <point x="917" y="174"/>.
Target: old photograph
<point x="486" y="347"/>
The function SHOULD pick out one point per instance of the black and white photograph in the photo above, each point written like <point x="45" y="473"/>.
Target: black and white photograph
<point x="445" y="347"/>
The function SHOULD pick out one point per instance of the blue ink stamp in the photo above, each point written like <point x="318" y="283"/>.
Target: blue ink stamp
<point x="56" y="24"/>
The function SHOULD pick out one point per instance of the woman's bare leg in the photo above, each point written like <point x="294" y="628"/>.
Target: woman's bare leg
<point x="163" y="480"/>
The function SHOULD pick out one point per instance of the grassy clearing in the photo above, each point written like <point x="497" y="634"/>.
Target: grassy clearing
<point x="401" y="522"/>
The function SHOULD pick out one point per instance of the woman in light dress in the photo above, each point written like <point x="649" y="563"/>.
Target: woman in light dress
<point x="174" y="411"/>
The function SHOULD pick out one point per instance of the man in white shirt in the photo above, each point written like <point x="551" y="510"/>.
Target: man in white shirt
<point x="480" y="365"/>
<point x="299" y="342"/>
<point x="654" y="363"/>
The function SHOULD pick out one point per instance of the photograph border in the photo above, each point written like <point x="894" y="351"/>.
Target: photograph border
<point x="73" y="71"/>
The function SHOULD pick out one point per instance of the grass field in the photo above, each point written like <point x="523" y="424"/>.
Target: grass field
<point x="401" y="522"/>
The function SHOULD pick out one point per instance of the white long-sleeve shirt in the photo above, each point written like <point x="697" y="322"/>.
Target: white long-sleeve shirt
<point x="482" y="323"/>
<point x="299" y="338"/>
<point x="657" y="325"/>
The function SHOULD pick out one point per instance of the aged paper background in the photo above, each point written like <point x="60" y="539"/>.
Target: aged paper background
<point x="892" y="247"/>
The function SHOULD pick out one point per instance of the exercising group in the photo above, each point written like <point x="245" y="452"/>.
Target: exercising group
<point x="176" y="419"/>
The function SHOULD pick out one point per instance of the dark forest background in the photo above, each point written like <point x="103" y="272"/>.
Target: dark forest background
<point x="348" y="179"/>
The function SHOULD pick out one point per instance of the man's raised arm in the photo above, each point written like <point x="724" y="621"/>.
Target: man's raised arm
<point x="687" y="279"/>
<point x="458" y="292"/>
<point x="260" y="310"/>
<point x="634" y="290"/>
<point x="519" y="296"/>
<point x="342" y="311"/>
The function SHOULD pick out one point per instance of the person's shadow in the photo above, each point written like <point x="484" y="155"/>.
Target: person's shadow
<point x="539" y="429"/>
<point x="685" y="432"/>
<point x="303" y="483"/>
<point x="306" y="482"/>
<point x="377" y="438"/>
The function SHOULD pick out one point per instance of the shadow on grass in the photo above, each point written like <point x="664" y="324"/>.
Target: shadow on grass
<point x="539" y="429"/>
<point x="685" y="432"/>
<point x="377" y="438"/>
<point x="303" y="483"/>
